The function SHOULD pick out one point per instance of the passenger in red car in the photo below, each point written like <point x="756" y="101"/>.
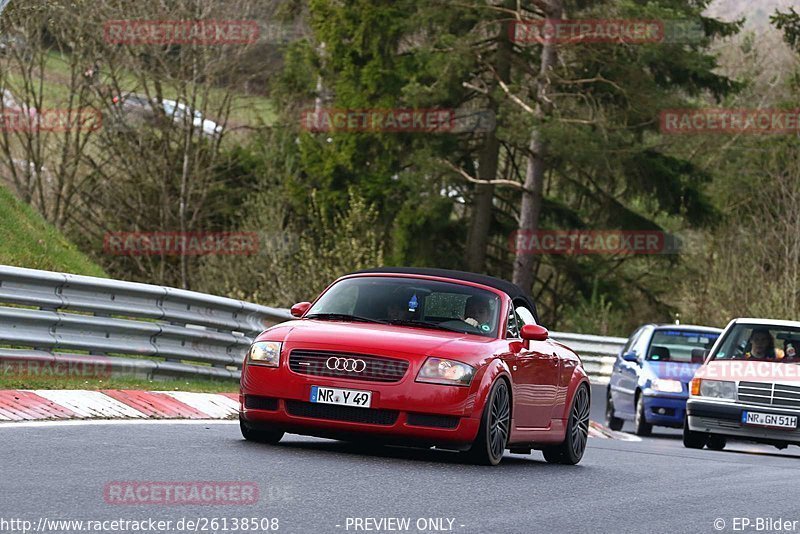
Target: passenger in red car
<point x="398" y="307"/>
<point x="396" y="311"/>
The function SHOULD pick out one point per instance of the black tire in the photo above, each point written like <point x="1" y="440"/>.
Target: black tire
<point x="716" y="443"/>
<point x="492" y="439"/>
<point x="259" y="436"/>
<point x="612" y="422"/>
<point x="640" y="425"/>
<point x="571" y="450"/>
<point x="693" y="439"/>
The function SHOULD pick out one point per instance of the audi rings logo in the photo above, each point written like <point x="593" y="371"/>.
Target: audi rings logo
<point x="346" y="364"/>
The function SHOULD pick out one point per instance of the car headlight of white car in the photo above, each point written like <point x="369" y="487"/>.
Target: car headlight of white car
<point x="715" y="389"/>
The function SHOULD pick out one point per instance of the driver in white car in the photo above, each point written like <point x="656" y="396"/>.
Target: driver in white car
<point x="762" y="346"/>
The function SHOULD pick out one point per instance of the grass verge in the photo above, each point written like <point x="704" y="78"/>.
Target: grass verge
<point x="27" y="240"/>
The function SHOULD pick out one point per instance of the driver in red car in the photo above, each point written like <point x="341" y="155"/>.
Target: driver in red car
<point x="477" y="312"/>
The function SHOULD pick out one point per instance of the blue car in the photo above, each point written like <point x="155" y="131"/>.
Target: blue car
<point x="650" y="381"/>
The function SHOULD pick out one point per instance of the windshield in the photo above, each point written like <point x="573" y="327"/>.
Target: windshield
<point x="411" y="302"/>
<point x="676" y="345"/>
<point x="760" y="343"/>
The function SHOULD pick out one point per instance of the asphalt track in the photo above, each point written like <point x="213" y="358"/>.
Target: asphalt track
<point x="313" y="485"/>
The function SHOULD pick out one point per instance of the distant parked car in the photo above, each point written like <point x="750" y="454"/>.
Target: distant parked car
<point x="650" y="381"/>
<point x="11" y="43"/>
<point x="749" y="387"/>
<point x="133" y="109"/>
<point x="12" y="105"/>
<point x="9" y="102"/>
<point x="178" y="111"/>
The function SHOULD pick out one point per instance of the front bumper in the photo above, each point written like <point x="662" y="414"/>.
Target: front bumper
<point x="664" y="409"/>
<point x="405" y="411"/>
<point x="725" y="418"/>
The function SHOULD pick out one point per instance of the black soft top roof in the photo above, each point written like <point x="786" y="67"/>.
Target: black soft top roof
<point x="512" y="290"/>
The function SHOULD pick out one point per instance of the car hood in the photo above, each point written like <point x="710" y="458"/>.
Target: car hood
<point x="682" y="371"/>
<point x="752" y="371"/>
<point x="378" y="339"/>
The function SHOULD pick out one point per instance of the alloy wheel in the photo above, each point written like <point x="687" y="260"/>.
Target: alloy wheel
<point x="580" y="422"/>
<point x="499" y="421"/>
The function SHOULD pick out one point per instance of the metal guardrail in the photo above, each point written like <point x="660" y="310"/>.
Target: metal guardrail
<point x="128" y="327"/>
<point x="151" y="331"/>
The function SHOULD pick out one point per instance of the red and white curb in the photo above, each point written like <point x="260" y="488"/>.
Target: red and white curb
<point x="66" y="404"/>
<point x="54" y="404"/>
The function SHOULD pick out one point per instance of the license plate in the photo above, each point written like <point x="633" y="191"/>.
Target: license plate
<point x="769" y="420"/>
<point x="343" y="397"/>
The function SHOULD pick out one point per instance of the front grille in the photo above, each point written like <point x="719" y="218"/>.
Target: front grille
<point x="718" y="424"/>
<point x="255" y="402"/>
<point x="344" y="365"/>
<point x="433" y="421"/>
<point x="778" y="395"/>
<point x="341" y="413"/>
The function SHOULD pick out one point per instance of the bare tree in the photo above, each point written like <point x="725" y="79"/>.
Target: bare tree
<point x="49" y="124"/>
<point x="156" y="163"/>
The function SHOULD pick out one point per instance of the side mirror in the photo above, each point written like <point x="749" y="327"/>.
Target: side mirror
<point x="300" y="308"/>
<point x="699" y="355"/>
<point x="630" y="357"/>
<point x="534" y="332"/>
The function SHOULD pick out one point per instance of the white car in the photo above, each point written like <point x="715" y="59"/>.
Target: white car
<point x="12" y="105"/>
<point x="10" y="101"/>
<point x="178" y="111"/>
<point x="142" y="109"/>
<point x="13" y="43"/>
<point x="748" y="388"/>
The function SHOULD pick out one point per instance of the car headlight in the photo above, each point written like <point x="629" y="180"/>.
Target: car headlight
<point x="667" y="386"/>
<point x="447" y="372"/>
<point x="716" y="389"/>
<point x="266" y="353"/>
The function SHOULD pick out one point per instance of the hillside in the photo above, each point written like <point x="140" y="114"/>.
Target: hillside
<point x="27" y="240"/>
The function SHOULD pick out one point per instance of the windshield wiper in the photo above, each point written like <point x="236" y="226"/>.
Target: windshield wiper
<point x="425" y="324"/>
<point x="343" y="317"/>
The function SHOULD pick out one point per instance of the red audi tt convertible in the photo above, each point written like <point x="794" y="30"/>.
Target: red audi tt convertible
<point x="424" y="357"/>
